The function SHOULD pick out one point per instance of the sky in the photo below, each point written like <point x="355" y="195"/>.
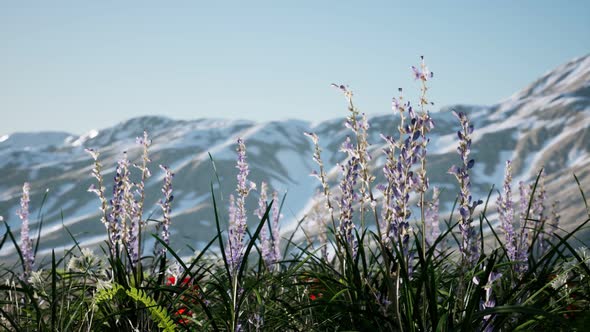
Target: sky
<point x="75" y="66"/>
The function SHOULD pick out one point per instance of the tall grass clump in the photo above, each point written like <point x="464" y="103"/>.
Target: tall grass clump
<point x="382" y="256"/>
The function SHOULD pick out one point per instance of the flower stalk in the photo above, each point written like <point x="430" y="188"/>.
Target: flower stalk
<point x="26" y="245"/>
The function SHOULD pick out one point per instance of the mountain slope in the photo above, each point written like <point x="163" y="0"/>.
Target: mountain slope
<point x="544" y="125"/>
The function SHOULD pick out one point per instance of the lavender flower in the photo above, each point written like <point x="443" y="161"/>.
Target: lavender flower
<point x="316" y="219"/>
<point x="165" y="204"/>
<point x="26" y="246"/>
<point x="256" y="321"/>
<point x="350" y="173"/>
<point x="359" y="125"/>
<point x="232" y="209"/>
<point x="137" y="205"/>
<point x="265" y="239"/>
<point x="321" y="176"/>
<point x="100" y="190"/>
<point x="276" y="238"/>
<point x="489" y="301"/>
<point x="390" y="169"/>
<point x="523" y="247"/>
<point x="238" y="224"/>
<point x="426" y="125"/>
<point x="116" y="219"/>
<point x="538" y="213"/>
<point x="422" y="73"/>
<point x="506" y="213"/>
<point x="383" y="302"/>
<point x="401" y="179"/>
<point x="259" y="212"/>
<point x="431" y="219"/>
<point x="468" y="246"/>
<point x="553" y="222"/>
<point x="145" y="142"/>
<point x="133" y="240"/>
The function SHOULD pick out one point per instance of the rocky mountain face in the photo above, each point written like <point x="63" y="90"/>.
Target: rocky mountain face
<point x="544" y="125"/>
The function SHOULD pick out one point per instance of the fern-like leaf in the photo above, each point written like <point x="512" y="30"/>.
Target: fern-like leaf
<point x="158" y="314"/>
<point x="106" y="294"/>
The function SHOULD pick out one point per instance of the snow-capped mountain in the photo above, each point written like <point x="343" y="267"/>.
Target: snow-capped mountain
<point x="547" y="124"/>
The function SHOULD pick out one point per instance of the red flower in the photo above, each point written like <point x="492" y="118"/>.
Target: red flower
<point x="183" y="312"/>
<point x="171" y="281"/>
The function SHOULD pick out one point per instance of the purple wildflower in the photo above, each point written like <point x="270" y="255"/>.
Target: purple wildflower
<point x="238" y="224"/>
<point x="132" y="244"/>
<point x="384" y="303"/>
<point x="426" y="125"/>
<point x="354" y="167"/>
<point x="389" y="171"/>
<point x="468" y="245"/>
<point x="259" y="212"/>
<point x="431" y="218"/>
<point x="359" y="125"/>
<point x="270" y="242"/>
<point x="347" y="92"/>
<point x="401" y="179"/>
<point x="116" y="219"/>
<point x="137" y="205"/>
<point x="321" y="176"/>
<point x="350" y="173"/>
<point x="232" y="209"/>
<point x="265" y="240"/>
<point x="523" y="247"/>
<point x="489" y="301"/>
<point x="553" y="222"/>
<point x="318" y="221"/>
<point x="397" y="104"/>
<point x="276" y="216"/>
<point x="256" y="322"/>
<point x="165" y="204"/>
<point x="506" y="213"/>
<point x="538" y="212"/>
<point x="422" y="73"/>
<point x="26" y="246"/>
<point x="100" y="189"/>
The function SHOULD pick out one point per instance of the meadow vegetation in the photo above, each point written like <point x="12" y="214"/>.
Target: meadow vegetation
<point x="378" y="261"/>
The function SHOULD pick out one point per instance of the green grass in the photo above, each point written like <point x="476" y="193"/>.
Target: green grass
<point x="375" y="283"/>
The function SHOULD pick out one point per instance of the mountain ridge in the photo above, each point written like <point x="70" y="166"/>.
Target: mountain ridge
<point x="548" y="128"/>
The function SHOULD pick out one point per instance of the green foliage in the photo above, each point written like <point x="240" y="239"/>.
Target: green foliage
<point x="107" y="294"/>
<point x="158" y="313"/>
<point x="368" y="282"/>
<point x="373" y="290"/>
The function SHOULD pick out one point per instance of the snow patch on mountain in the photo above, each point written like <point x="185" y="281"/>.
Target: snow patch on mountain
<point x="547" y="122"/>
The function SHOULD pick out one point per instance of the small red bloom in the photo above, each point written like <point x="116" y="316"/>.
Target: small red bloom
<point x="186" y="281"/>
<point x="171" y="281"/>
<point x="183" y="312"/>
<point x="312" y="297"/>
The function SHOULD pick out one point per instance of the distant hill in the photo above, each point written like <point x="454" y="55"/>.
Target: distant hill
<point x="546" y="124"/>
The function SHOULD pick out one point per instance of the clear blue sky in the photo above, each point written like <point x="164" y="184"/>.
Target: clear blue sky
<point x="79" y="65"/>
